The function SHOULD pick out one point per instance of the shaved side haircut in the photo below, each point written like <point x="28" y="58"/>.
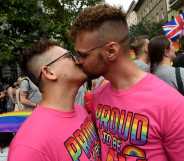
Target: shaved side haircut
<point x="108" y="21"/>
<point x="32" y="58"/>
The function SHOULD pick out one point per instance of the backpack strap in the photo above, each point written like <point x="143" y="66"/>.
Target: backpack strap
<point x="179" y="81"/>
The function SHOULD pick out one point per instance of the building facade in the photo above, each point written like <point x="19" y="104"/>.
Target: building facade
<point x="131" y="15"/>
<point x="153" y="10"/>
<point x="174" y="8"/>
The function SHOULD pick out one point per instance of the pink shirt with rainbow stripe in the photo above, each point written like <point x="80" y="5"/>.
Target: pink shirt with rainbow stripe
<point x="142" y="123"/>
<point x="52" y="135"/>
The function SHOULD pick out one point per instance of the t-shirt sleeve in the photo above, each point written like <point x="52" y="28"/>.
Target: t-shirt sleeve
<point x="24" y="86"/>
<point x="25" y="153"/>
<point x="174" y="131"/>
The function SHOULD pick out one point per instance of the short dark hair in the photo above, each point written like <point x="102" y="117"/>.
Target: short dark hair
<point x="37" y="48"/>
<point x="156" y="50"/>
<point x="93" y="17"/>
<point x="137" y="43"/>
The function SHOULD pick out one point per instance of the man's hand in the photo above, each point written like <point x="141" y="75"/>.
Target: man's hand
<point x="24" y="99"/>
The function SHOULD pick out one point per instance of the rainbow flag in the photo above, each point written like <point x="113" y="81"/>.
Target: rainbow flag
<point x="11" y="121"/>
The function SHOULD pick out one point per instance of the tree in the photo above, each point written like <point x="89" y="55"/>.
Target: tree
<point x="23" y="21"/>
<point x="146" y="28"/>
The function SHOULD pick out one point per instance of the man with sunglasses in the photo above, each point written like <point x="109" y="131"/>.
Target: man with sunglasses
<point x="138" y="116"/>
<point x="57" y="130"/>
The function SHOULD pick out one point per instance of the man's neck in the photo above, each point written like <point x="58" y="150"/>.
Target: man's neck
<point x="124" y="74"/>
<point x="166" y="61"/>
<point x="59" y="98"/>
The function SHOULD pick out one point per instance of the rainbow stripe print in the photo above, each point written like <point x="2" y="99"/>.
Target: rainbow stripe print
<point x="123" y="131"/>
<point x="11" y="121"/>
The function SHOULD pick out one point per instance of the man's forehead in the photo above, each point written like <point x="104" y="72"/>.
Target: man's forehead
<point x="87" y="35"/>
<point x="86" y="39"/>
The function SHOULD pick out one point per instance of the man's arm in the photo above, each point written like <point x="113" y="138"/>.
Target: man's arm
<point x="24" y="99"/>
<point x="173" y="140"/>
<point x="24" y="93"/>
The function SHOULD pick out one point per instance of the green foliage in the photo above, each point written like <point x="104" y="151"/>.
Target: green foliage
<point x="148" y="28"/>
<point x="22" y="21"/>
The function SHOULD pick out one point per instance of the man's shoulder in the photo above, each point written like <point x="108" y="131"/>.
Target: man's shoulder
<point x="100" y="89"/>
<point x="149" y="85"/>
<point x="24" y="79"/>
<point x="34" y="131"/>
<point x="162" y="92"/>
<point x="80" y="109"/>
<point x="24" y="82"/>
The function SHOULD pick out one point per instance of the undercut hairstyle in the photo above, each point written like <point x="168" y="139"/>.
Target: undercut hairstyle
<point x="156" y="51"/>
<point x="137" y="44"/>
<point x="108" y="20"/>
<point x="27" y="55"/>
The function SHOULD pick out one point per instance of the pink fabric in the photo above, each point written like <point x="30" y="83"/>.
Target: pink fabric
<point x="145" y="122"/>
<point x="51" y="135"/>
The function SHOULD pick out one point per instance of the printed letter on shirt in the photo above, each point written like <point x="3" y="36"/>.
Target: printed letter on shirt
<point x="123" y="132"/>
<point x="84" y="142"/>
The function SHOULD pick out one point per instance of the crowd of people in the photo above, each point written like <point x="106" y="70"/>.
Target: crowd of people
<point x="23" y="95"/>
<point x="136" y="108"/>
<point x="158" y="56"/>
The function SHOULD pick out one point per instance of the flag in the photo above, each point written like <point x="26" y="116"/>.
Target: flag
<point x="11" y="121"/>
<point x="174" y="28"/>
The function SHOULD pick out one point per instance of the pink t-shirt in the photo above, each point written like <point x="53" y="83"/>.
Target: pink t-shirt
<point x="142" y="123"/>
<point x="51" y="135"/>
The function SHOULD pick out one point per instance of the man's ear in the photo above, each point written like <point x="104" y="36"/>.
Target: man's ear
<point x="48" y="73"/>
<point x="111" y="51"/>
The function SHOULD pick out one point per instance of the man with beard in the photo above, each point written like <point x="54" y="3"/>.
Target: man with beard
<point x="138" y="116"/>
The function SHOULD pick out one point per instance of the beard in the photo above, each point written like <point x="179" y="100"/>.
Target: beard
<point x="90" y="75"/>
<point x="93" y="76"/>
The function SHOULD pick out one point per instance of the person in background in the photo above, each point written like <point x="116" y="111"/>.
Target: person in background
<point x="29" y="93"/>
<point x="81" y="94"/>
<point x="11" y="97"/>
<point x="57" y="130"/>
<point x="85" y="90"/>
<point x="96" y="83"/>
<point x="1" y="96"/>
<point x="179" y="60"/>
<point x="3" y="101"/>
<point x="161" y="55"/>
<point x="138" y="116"/>
<point x="140" y="47"/>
